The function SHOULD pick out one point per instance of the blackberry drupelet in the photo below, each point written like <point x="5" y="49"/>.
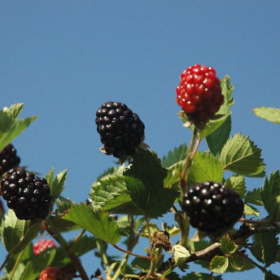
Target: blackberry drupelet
<point x="212" y="207"/>
<point x="199" y="92"/>
<point x="28" y="195"/>
<point x="8" y="159"/>
<point x="121" y="131"/>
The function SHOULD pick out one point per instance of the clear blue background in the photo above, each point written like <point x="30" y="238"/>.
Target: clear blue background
<point x="63" y="59"/>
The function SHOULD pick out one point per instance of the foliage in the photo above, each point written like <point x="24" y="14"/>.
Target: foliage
<point x="127" y="200"/>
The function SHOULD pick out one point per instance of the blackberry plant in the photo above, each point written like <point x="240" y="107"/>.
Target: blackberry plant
<point x="210" y="217"/>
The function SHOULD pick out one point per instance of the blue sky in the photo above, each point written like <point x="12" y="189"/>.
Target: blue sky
<point x="63" y="59"/>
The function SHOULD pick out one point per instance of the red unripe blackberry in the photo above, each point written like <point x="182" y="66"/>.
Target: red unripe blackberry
<point x="8" y="159"/>
<point x="43" y="245"/>
<point x="199" y="92"/>
<point x="121" y="131"/>
<point x="52" y="273"/>
<point x="212" y="207"/>
<point x="28" y="195"/>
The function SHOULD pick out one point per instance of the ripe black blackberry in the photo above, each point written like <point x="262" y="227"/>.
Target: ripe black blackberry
<point x="212" y="207"/>
<point x="8" y="159"/>
<point x="28" y="195"/>
<point x="121" y="131"/>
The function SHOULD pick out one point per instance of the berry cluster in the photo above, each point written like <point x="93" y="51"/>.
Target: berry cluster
<point x="121" y="131"/>
<point x="43" y="245"/>
<point x="28" y="195"/>
<point x="212" y="207"/>
<point x="52" y="273"/>
<point x="8" y="159"/>
<point x="199" y="92"/>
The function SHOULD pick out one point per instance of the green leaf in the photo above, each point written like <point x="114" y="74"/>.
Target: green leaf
<point x="37" y="265"/>
<point x="250" y="210"/>
<point x="10" y="125"/>
<point x="56" y="183"/>
<point x="254" y="197"/>
<point x="99" y="224"/>
<point x="228" y="246"/>
<point x="63" y="225"/>
<point x="142" y="264"/>
<point x="268" y="113"/>
<point x="110" y="193"/>
<point x="219" y="264"/>
<point x="172" y="276"/>
<point x="201" y="276"/>
<point x="205" y="167"/>
<point x="81" y="247"/>
<point x="17" y="234"/>
<point x="217" y="139"/>
<point x="181" y="254"/>
<point x="174" y="156"/>
<point x="271" y="195"/>
<point x="144" y="179"/>
<point x="239" y="262"/>
<point x="242" y="156"/>
<point x="173" y="174"/>
<point x="270" y="276"/>
<point x="63" y="204"/>
<point x="265" y="247"/>
<point x="236" y="183"/>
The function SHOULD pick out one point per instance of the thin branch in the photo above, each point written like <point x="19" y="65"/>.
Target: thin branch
<point x="130" y="253"/>
<point x="204" y="254"/>
<point x="49" y="227"/>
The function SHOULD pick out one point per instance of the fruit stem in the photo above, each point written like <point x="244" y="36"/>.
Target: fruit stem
<point x="149" y="232"/>
<point x="50" y="228"/>
<point x="77" y="238"/>
<point x="155" y="254"/>
<point x="121" y="266"/>
<point x="130" y="253"/>
<point x="191" y="152"/>
<point x="16" y="265"/>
